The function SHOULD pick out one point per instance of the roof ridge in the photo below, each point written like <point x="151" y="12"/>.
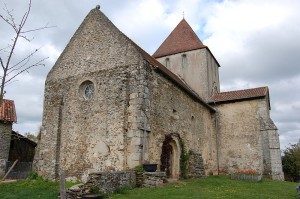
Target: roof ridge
<point x="175" y="78"/>
<point x="243" y="89"/>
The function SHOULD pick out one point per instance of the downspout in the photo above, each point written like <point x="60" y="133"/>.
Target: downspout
<point x="58" y="139"/>
<point x="217" y="141"/>
<point x="217" y="128"/>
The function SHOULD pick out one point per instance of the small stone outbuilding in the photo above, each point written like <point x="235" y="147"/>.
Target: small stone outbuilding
<point x="7" y="118"/>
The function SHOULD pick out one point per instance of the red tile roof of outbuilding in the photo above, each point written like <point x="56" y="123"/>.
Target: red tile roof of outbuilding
<point x="8" y="111"/>
<point x="240" y="94"/>
<point x="181" y="39"/>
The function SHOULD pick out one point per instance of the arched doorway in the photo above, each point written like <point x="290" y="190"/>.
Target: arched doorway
<point x="170" y="156"/>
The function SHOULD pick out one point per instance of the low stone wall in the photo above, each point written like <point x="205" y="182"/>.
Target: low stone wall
<point x="246" y="177"/>
<point x="111" y="181"/>
<point x="105" y="181"/>
<point x="153" y="179"/>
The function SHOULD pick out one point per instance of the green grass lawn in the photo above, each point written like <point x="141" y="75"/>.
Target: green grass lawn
<point x="29" y="189"/>
<point x="211" y="187"/>
<point x="215" y="187"/>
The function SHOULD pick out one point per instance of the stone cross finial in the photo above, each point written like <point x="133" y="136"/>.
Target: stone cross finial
<point x="98" y="7"/>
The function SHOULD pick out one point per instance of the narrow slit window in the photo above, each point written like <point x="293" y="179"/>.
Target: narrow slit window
<point x="167" y="62"/>
<point x="184" y="61"/>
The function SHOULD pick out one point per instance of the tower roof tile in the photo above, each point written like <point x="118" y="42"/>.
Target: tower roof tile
<point x="181" y="39"/>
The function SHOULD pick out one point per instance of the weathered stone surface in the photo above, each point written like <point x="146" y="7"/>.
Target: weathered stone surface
<point x="153" y="179"/>
<point x="106" y="182"/>
<point x="247" y="138"/>
<point x="196" y="167"/>
<point x="201" y="71"/>
<point x="80" y="134"/>
<point x="132" y="107"/>
<point x="173" y="111"/>
<point x="5" y="137"/>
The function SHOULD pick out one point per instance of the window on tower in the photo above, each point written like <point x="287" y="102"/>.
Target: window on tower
<point x="183" y="61"/>
<point x="167" y="64"/>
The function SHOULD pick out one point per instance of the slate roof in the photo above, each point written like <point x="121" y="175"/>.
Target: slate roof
<point x="240" y="95"/>
<point x="8" y="111"/>
<point x="181" y="39"/>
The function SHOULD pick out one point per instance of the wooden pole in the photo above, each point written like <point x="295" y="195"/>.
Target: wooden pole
<point x="11" y="168"/>
<point x="62" y="185"/>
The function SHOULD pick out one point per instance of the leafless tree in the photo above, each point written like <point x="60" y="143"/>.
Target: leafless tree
<point x="11" y="69"/>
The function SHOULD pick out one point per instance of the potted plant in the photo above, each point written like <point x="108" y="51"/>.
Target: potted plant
<point x="150" y="167"/>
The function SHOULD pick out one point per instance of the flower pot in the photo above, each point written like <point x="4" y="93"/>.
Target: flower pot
<point x="150" y="167"/>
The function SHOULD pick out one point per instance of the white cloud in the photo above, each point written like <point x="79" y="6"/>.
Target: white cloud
<point x="256" y="43"/>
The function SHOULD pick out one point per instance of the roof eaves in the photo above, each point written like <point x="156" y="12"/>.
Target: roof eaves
<point x="19" y="136"/>
<point x="157" y="66"/>
<point x="213" y="56"/>
<point x="235" y="100"/>
<point x="165" y="55"/>
<point x="174" y="53"/>
<point x="183" y="86"/>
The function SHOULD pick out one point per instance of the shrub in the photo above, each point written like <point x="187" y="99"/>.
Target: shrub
<point x="32" y="175"/>
<point x="291" y="162"/>
<point x="139" y="169"/>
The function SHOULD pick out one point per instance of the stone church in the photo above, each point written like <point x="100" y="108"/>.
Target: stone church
<point x="110" y="106"/>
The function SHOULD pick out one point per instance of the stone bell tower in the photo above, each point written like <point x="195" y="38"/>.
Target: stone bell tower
<point x="185" y="55"/>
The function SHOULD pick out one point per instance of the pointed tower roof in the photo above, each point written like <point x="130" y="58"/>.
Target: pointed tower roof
<point x="181" y="39"/>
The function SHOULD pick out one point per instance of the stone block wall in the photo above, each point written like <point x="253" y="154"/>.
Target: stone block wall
<point x="105" y="132"/>
<point x="106" y="182"/>
<point x="272" y="155"/>
<point x="154" y="179"/>
<point x="239" y="137"/>
<point x="195" y="166"/>
<point x="174" y="111"/>
<point x="100" y="134"/>
<point x="5" y="138"/>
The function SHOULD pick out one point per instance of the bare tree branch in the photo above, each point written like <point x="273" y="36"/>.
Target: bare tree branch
<point x="36" y="29"/>
<point x="24" y="59"/>
<point x="2" y="64"/>
<point x="39" y="63"/>
<point x="11" y="71"/>
<point x="9" y="19"/>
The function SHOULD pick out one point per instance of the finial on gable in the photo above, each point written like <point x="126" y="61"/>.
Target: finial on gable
<point x="98" y="7"/>
<point x="183" y="15"/>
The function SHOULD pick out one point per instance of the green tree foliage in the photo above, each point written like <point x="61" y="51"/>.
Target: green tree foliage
<point x="31" y="136"/>
<point x="291" y="162"/>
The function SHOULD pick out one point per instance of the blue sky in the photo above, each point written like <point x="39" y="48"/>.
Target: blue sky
<point x="256" y="43"/>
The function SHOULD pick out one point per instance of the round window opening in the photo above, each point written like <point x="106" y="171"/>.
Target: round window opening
<point x="87" y="89"/>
